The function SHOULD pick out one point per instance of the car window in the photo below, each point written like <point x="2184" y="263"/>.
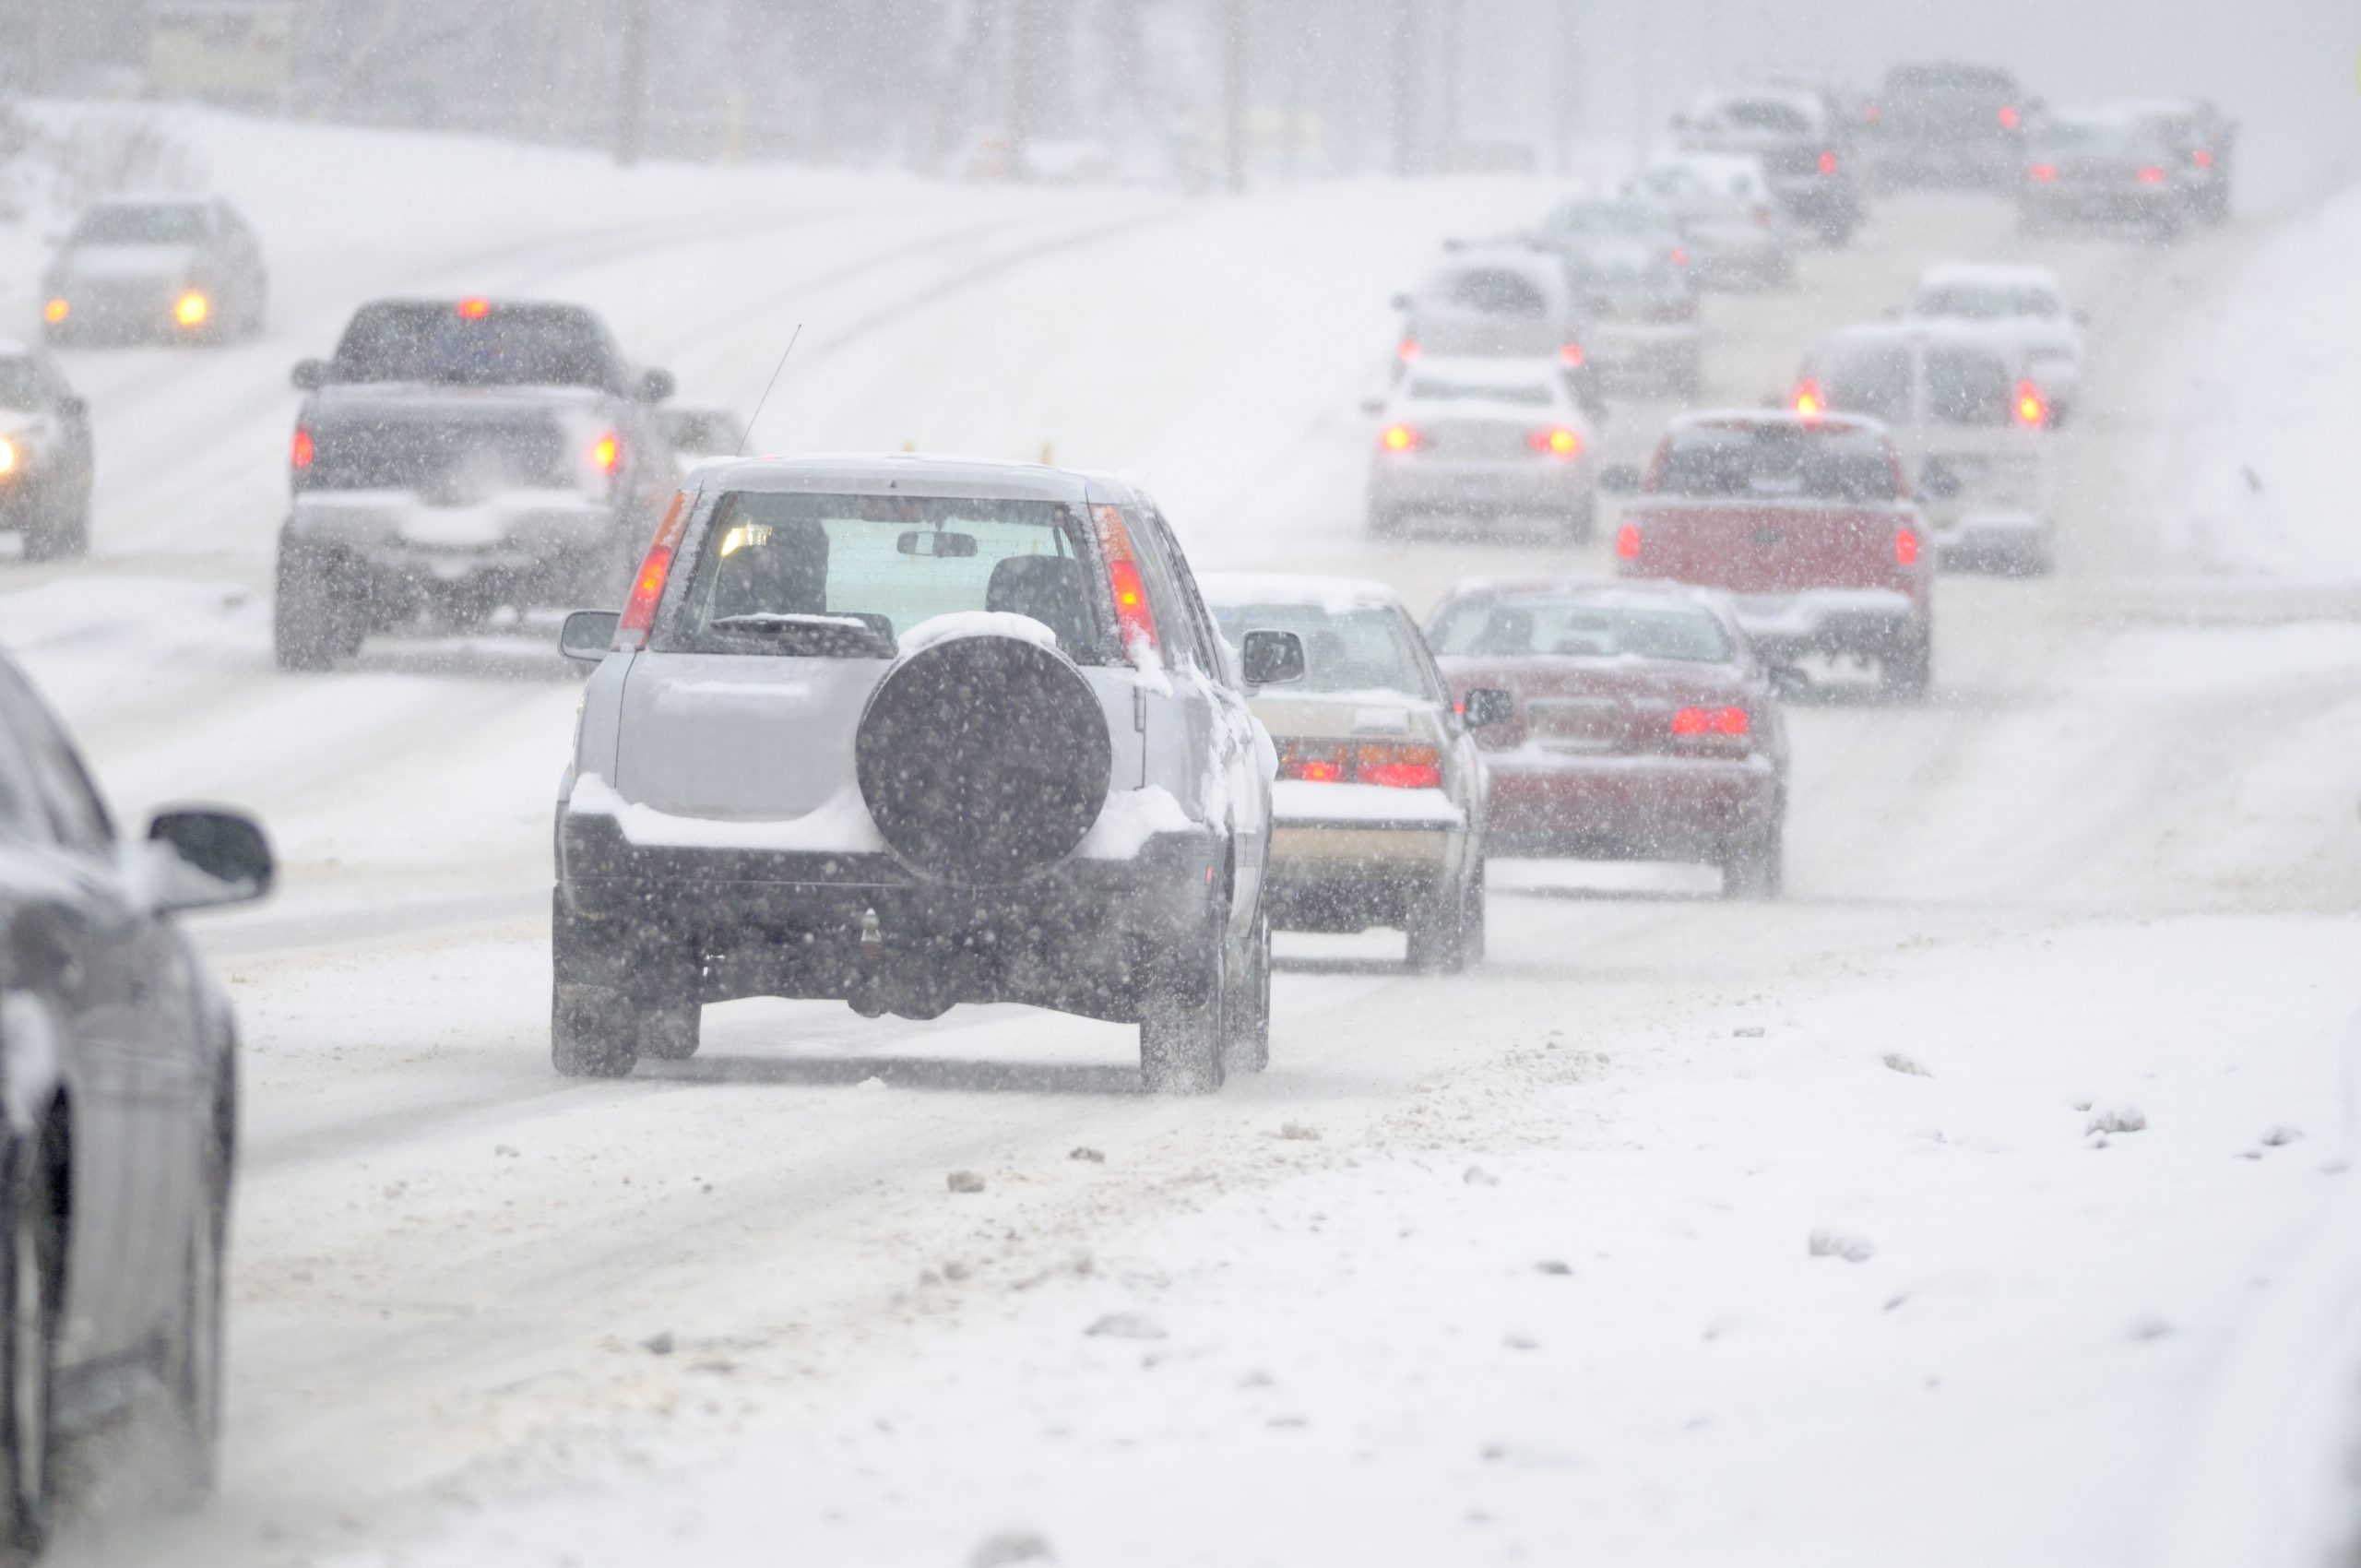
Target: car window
<point x="1496" y="292"/>
<point x="1775" y="462"/>
<point x="1367" y="649"/>
<point x="77" y="819"/>
<point x="845" y="576"/>
<point x="1985" y="302"/>
<point x="162" y="223"/>
<point x="1965" y="387"/>
<point x="1580" y="629"/>
<point x="1754" y="115"/>
<point x="1524" y="395"/>
<point x="1865" y="378"/>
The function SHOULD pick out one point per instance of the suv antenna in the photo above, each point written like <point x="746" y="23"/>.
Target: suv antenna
<point x="748" y="434"/>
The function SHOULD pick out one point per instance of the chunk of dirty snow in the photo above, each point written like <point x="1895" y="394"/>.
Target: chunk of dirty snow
<point x="1297" y="1130"/>
<point x="1554" y="1266"/>
<point x="2150" y="1327"/>
<point x="1751" y="1031"/>
<point x="1901" y="1064"/>
<point x="1088" y="1153"/>
<point x="1011" y="1546"/>
<point x="1836" y="1244"/>
<point x="966" y="1182"/>
<point x="975" y="623"/>
<point x="658" y="1344"/>
<point x="1125" y="1325"/>
<point x="1479" y="1176"/>
<point x="1520" y="1342"/>
<point x="2282" y="1135"/>
<point x="2117" y="1119"/>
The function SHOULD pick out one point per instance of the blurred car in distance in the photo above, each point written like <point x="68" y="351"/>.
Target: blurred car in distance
<point x="2104" y="168"/>
<point x="1807" y="521"/>
<point x="144" y="268"/>
<point x="908" y="732"/>
<point x="1478" y="441"/>
<point x="699" y="435"/>
<point x="456" y="457"/>
<point x="1635" y="291"/>
<point x="1498" y="300"/>
<point x="1728" y="217"/>
<point x="2203" y="142"/>
<point x="1971" y="422"/>
<point x="1946" y="125"/>
<point x="1641" y="725"/>
<point x="119" y="1052"/>
<point x="1803" y="148"/>
<point x="45" y="456"/>
<point x="1377" y="816"/>
<point x="2026" y="306"/>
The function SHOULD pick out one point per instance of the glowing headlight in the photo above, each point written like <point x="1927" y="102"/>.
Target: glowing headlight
<point x="56" y="309"/>
<point x="192" y="308"/>
<point x="7" y="456"/>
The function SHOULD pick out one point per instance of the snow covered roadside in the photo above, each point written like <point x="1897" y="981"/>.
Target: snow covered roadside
<point x="1931" y="1263"/>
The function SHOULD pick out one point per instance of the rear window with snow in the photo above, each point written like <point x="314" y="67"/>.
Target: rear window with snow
<point x="468" y="344"/>
<point x="1777" y="462"/>
<point x="1523" y="628"/>
<point x="1987" y="302"/>
<point x="845" y="576"/>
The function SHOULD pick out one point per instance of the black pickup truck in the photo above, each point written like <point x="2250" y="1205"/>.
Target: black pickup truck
<point x="459" y="456"/>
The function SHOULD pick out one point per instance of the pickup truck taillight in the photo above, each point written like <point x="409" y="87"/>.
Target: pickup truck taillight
<point x="300" y="451"/>
<point x="1401" y="438"/>
<point x="1906" y="547"/>
<point x="2031" y="407"/>
<point x="1627" y="541"/>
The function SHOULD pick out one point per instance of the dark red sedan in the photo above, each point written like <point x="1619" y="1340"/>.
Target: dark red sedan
<point x="1644" y="728"/>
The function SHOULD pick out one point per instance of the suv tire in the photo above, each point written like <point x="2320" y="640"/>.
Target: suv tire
<point x="1182" y="1029"/>
<point x="1908" y="671"/>
<point x="1246" y="1042"/>
<point x="31" y="1250"/>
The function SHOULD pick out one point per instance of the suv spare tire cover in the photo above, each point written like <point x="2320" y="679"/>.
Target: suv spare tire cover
<point x="983" y="758"/>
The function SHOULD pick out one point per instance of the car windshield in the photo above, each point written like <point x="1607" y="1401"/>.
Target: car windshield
<point x="1344" y="650"/>
<point x="21" y="385"/>
<point x="1524" y="394"/>
<point x="162" y="223"/>
<point x="845" y="576"/>
<point x="2119" y="136"/>
<point x="1578" y="628"/>
<point x="1777" y="462"/>
<point x="1494" y="291"/>
<point x="1987" y="302"/>
<point x="470" y="344"/>
<point x="1604" y="217"/>
<point x="1865" y="378"/>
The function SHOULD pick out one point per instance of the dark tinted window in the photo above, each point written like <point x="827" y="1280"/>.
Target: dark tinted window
<point x="1774" y="462"/>
<point x="21" y="815"/>
<point x="1865" y="378"/>
<point x="494" y="346"/>
<point x="1496" y="292"/>
<point x="1967" y="387"/>
<point x="1580" y="629"/>
<point x="1780" y="119"/>
<point x="163" y="224"/>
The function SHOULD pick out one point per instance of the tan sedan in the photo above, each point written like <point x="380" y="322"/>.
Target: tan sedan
<point x="1378" y="809"/>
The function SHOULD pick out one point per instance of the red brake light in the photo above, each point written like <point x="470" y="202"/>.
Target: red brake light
<point x="607" y="454"/>
<point x="1906" y="547"/>
<point x="1872" y="112"/>
<point x="1627" y="541"/>
<point x="647" y="587"/>
<point x="1828" y="160"/>
<point x="1571" y="354"/>
<point x="1400" y="438"/>
<point x="1403" y="771"/>
<point x="301" y="452"/>
<point x="2203" y="158"/>
<point x="1409" y="348"/>
<point x="1387" y="764"/>
<point x="2009" y="117"/>
<point x="1558" y="443"/>
<point x="2031" y="408"/>
<point x="474" y="310"/>
<point x="1135" y="616"/>
<point x="2044" y="171"/>
<point x="1809" y="402"/>
<point x="1678" y="256"/>
<point x="2151" y="175"/>
<point x="1694" y="721"/>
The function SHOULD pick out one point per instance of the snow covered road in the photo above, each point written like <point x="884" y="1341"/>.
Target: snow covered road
<point x="2108" y="869"/>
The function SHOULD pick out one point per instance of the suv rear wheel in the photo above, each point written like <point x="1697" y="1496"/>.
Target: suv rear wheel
<point x="1181" y="1029"/>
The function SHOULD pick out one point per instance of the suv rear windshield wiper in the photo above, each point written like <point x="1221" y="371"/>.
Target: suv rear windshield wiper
<point x="824" y="637"/>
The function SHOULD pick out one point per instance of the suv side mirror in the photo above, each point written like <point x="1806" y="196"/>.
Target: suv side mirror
<point x="1486" y="706"/>
<point x="654" y="385"/>
<point x="587" y="634"/>
<point x="309" y="375"/>
<point x="200" y="858"/>
<point x="1272" y="659"/>
<point x="1620" y="478"/>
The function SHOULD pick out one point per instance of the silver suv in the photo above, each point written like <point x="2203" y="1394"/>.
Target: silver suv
<point x="909" y="733"/>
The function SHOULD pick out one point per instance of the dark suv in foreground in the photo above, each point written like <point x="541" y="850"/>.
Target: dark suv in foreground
<point x="908" y="732"/>
<point x="459" y="457"/>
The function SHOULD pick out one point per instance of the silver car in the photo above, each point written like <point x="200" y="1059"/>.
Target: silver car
<point x="1483" y="439"/>
<point x="186" y="268"/>
<point x="908" y="732"/>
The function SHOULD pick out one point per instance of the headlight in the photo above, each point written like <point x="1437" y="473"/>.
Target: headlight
<point x="56" y="309"/>
<point x="192" y="308"/>
<point x="7" y="456"/>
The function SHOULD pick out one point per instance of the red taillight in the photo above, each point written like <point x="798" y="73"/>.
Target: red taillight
<point x="1762" y="216"/>
<point x="1134" y="615"/>
<point x="1694" y="721"/>
<point x="1401" y="438"/>
<point x="301" y="452"/>
<point x="2009" y="117"/>
<point x="1403" y="774"/>
<point x="1809" y="402"/>
<point x="1571" y="354"/>
<point x="1558" y="443"/>
<point x="2031" y="408"/>
<point x="1828" y="160"/>
<point x="1678" y="256"/>
<point x="2203" y="158"/>
<point x="2151" y="175"/>
<point x="1387" y="764"/>
<point x="1627" y="541"/>
<point x="474" y="310"/>
<point x="607" y="454"/>
<point x="655" y="568"/>
<point x="1906" y="547"/>
<point x="1409" y="348"/>
<point x="2044" y="171"/>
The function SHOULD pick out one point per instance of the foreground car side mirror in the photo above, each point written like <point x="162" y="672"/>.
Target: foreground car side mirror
<point x="1272" y="659"/>
<point x="309" y="375"/>
<point x="201" y="859"/>
<point x="1486" y="706"/>
<point x="1620" y="478"/>
<point x="654" y="385"/>
<point x="587" y="634"/>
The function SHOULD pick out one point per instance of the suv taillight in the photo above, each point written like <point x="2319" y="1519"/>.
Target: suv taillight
<point x="300" y="451"/>
<point x="1135" y="616"/>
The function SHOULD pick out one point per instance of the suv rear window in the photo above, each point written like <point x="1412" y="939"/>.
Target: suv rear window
<point x="529" y="345"/>
<point x="1777" y="462"/>
<point x="1486" y="628"/>
<point x="845" y="576"/>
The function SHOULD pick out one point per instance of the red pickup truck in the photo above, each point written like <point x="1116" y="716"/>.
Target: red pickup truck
<point x="1806" y="521"/>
